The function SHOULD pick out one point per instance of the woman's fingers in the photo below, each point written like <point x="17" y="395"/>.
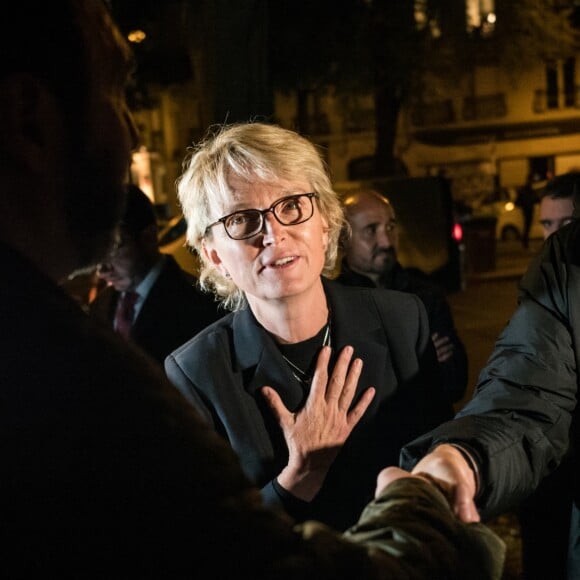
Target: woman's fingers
<point x="360" y="408"/>
<point x="340" y="374"/>
<point x="327" y="414"/>
<point x="318" y="387"/>
<point x="350" y="385"/>
<point x="275" y="402"/>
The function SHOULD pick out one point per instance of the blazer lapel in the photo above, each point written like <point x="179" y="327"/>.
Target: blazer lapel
<point x="260" y="359"/>
<point x="348" y="306"/>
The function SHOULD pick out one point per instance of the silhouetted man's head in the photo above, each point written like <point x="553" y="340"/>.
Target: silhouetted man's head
<point x="137" y="249"/>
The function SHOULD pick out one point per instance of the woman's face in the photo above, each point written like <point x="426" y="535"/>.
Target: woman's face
<point x="278" y="263"/>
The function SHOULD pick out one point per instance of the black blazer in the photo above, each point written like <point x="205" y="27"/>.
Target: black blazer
<point x="222" y="369"/>
<point x="454" y="369"/>
<point x="174" y="311"/>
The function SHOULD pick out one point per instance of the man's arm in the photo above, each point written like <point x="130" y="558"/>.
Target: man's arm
<point x="451" y="352"/>
<point x="409" y="532"/>
<point x="516" y="427"/>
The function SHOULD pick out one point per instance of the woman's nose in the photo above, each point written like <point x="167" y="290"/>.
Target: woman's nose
<point x="272" y="229"/>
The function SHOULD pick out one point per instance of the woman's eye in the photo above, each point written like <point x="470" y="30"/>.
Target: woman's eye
<point x="291" y="204"/>
<point x="238" y="219"/>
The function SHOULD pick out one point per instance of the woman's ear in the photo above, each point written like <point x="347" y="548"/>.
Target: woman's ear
<point x="211" y="255"/>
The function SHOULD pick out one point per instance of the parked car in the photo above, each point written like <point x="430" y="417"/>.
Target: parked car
<point x="510" y="220"/>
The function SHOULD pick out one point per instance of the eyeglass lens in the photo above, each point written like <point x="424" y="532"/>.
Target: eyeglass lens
<point x="291" y="210"/>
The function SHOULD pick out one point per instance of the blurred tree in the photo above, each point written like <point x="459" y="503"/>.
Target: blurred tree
<point x="391" y="47"/>
<point x="162" y="54"/>
<point x="222" y="44"/>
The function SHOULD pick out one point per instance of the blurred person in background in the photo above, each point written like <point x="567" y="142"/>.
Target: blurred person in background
<point x="520" y="428"/>
<point x="167" y="306"/>
<point x="558" y="200"/>
<point x="262" y="213"/>
<point x="526" y="200"/>
<point x="107" y="470"/>
<point x="544" y="516"/>
<point x="370" y="259"/>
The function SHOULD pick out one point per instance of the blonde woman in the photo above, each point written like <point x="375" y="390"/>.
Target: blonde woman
<point x="265" y="220"/>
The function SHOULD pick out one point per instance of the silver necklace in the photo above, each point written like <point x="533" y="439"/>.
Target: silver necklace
<point x="300" y="375"/>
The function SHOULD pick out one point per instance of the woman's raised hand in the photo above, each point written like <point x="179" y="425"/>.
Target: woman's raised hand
<point x="316" y="432"/>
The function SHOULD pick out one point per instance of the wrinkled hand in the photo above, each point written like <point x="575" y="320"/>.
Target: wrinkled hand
<point x="443" y="347"/>
<point x="316" y="433"/>
<point x="453" y="474"/>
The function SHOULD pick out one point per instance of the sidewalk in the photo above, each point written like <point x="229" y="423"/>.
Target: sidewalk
<point x="511" y="261"/>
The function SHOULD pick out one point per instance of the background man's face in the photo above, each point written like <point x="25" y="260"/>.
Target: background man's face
<point x="122" y="268"/>
<point x="372" y="248"/>
<point x="555" y="213"/>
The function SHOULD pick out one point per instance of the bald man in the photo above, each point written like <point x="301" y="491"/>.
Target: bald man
<point x="370" y="259"/>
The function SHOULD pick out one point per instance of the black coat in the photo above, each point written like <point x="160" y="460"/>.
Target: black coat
<point x="388" y="330"/>
<point x="517" y="424"/>
<point x="174" y="311"/>
<point x="454" y="369"/>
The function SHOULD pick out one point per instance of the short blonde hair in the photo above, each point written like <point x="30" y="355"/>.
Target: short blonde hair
<point x="254" y="151"/>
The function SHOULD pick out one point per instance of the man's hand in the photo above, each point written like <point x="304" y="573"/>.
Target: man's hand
<point x="316" y="432"/>
<point x="453" y="473"/>
<point x="443" y="347"/>
<point x="390" y="474"/>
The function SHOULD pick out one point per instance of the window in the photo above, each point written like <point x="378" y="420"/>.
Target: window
<point x="570" y="82"/>
<point x="480" y="17"/>
<point x="561" y="79"/>
<point x="552" y="85"/>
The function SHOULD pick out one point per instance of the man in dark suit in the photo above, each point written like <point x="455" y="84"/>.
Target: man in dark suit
<point x="169" y="309"/>
<point x="371" y="260"/>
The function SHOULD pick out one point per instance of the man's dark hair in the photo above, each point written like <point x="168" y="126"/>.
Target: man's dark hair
<point x="566" y="185"/>
<point x="139" y="211"/>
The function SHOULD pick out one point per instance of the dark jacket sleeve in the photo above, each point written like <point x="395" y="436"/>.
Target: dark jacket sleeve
<point x="455" y="369"/>
<point x="518" y="421"/>
<point x="396" y="524"/>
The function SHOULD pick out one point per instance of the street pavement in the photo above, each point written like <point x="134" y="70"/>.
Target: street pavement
<point x="487" y="301"/>
<point x="511" y="261"/>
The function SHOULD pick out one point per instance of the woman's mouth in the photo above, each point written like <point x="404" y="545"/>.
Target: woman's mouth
<point x="282" y="262"/>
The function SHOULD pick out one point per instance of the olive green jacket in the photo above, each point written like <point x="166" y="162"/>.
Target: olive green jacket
<point x="410" y="532"/>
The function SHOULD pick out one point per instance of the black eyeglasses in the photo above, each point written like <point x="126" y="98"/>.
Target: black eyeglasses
<point x="289" y="211"/>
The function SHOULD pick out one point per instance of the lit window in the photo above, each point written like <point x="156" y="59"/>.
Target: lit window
<point x="421" y="17"/>
<point x="480" y="17"/>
